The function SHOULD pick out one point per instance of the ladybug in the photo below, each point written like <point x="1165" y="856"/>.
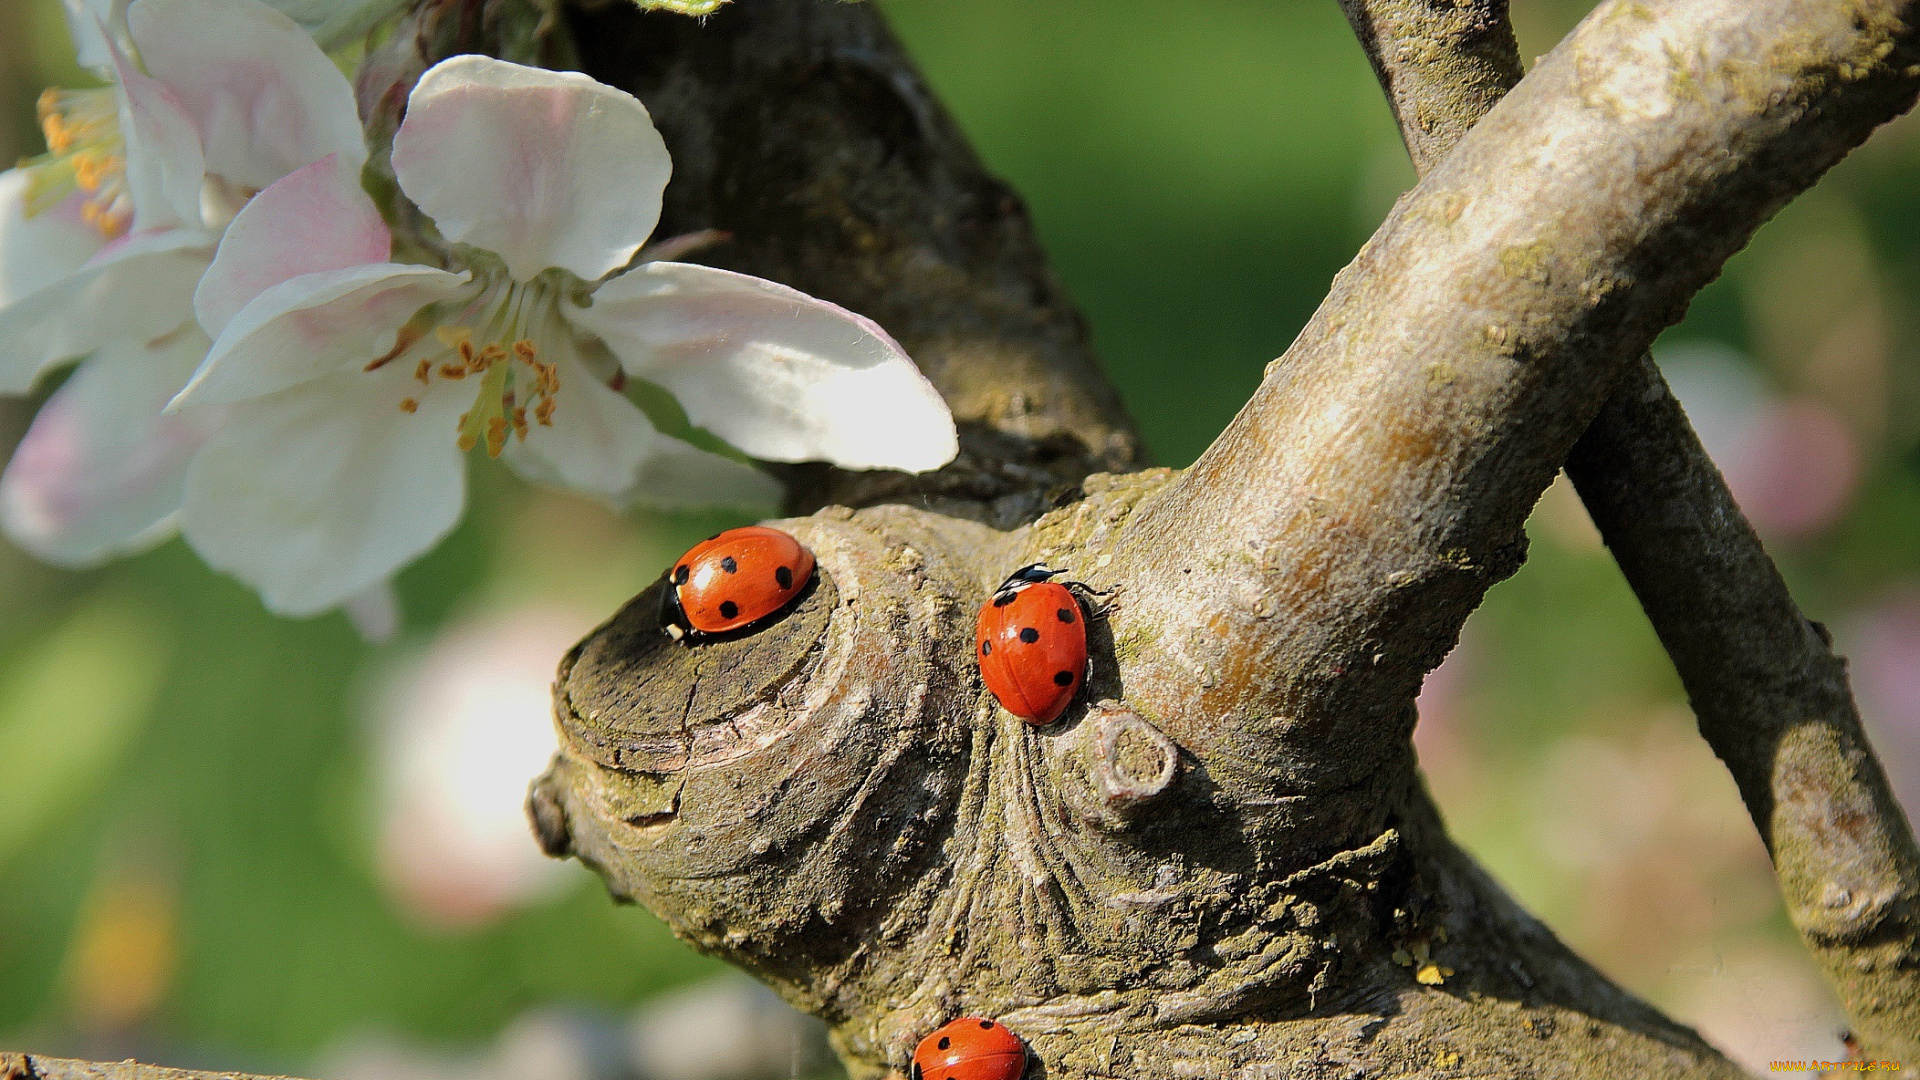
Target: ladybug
<point x="1031" y="643"/>
<point x="970" y="1048"/>
<point x="735" y="579"/>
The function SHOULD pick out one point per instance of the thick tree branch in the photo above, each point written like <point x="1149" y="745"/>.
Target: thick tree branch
<point x="1219" y="863"/>
<point x="1772" y="700"/>
<point x="1332" y="541"/>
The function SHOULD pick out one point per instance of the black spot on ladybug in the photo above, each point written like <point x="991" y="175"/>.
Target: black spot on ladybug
<point x="986" y="1023"/>
<point x="916" y="1071"/>
<point x="1065" y="615"/>
<point x="1029" y="635"/>
<point x="784" y="576"/>
<point x="1003" y="599"/>
<point x="1063" y="678"/>
<point x="945" y="1042"/>
<point x="680" y="574"/>
<point x="728" y="609"/>
<point x="986" y="648"/>
<point x="729" y="565"/>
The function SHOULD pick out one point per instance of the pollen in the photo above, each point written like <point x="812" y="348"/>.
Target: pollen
<point x="85" y="158"/>
<point x="494" y="349"/>
<point x="507" y="374"/>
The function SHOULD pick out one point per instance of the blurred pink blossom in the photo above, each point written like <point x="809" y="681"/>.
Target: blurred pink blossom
<point x="463" y="728"/>
<point x="1793" y="464"/>
<point x="1882" y="645"/>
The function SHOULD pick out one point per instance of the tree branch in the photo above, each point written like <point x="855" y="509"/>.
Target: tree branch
<point x="806" y="132"/>
<point x="36" y="1067"/>
<point x="1443" y="66"/>
<point x="1773" y="701"/>
<point x="1332" y="540"/>
<point x="836" y="805"/>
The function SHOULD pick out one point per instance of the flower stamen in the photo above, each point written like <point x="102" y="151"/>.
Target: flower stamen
<point x="86" y="155"/>
<point x="513" y="380"/>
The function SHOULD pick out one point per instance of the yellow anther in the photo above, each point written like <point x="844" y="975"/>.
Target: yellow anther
<point x="83" y="158"/>
<point x="409" y="406"/>
<point x="507" y="392"/>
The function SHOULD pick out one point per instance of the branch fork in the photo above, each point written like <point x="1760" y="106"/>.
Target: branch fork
<point x="1209" y="864"/>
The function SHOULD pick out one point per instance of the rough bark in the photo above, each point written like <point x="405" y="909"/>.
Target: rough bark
<point x="1773" y="701"/>
<point x="1226" y="860"/>
<point x="37" y="1067"/>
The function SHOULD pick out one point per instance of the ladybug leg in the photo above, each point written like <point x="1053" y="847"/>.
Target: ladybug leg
<point x="1094" y="602"/>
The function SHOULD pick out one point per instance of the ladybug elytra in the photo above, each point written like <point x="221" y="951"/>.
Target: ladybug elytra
<point x="970" y="1048"/>
<point x="733" y="580"/>
<point x="1031" y="644"/>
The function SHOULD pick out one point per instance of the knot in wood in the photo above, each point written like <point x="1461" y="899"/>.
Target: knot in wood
<point x="1125" y="760"/>
<point x="765" y="791"/>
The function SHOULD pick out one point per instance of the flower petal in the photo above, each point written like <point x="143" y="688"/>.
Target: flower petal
<point x="140" y="288"/>
<point x="100" y="472"/>
<point x="164" y="161"/>
<point x="85" y="18"/>
<point x="37" y="251"/>
<point x="316" y="218"/>
<point x="543" y="168"/>
<point x="775" y="372"/>
<point x="314" y="326"/>
<point x="264" y="97"/>
<point x="317" y="494"/>
<point x="600" y="444"/>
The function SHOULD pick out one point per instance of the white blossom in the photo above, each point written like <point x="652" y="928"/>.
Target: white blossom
<point x="355" y="384"/>
<point x="104" y="239"/>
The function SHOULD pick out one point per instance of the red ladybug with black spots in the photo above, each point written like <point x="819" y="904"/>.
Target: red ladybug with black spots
<point x="970" y="1048"/>
<point x="732" y="581"/>
<point x="1031" y="642"/>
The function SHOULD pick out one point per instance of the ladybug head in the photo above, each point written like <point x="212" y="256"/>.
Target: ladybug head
<point x="673" y="618"/>
<point x="1030" y="574"/>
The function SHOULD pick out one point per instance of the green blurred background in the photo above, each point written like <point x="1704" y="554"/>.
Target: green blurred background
<point x="200" y="815"/>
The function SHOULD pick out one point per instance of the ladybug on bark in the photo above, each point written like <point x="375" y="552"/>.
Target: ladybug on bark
<point x="970" y="1048"/>
<point x="1031" y="644"/>
<point x="733" y="580"/>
